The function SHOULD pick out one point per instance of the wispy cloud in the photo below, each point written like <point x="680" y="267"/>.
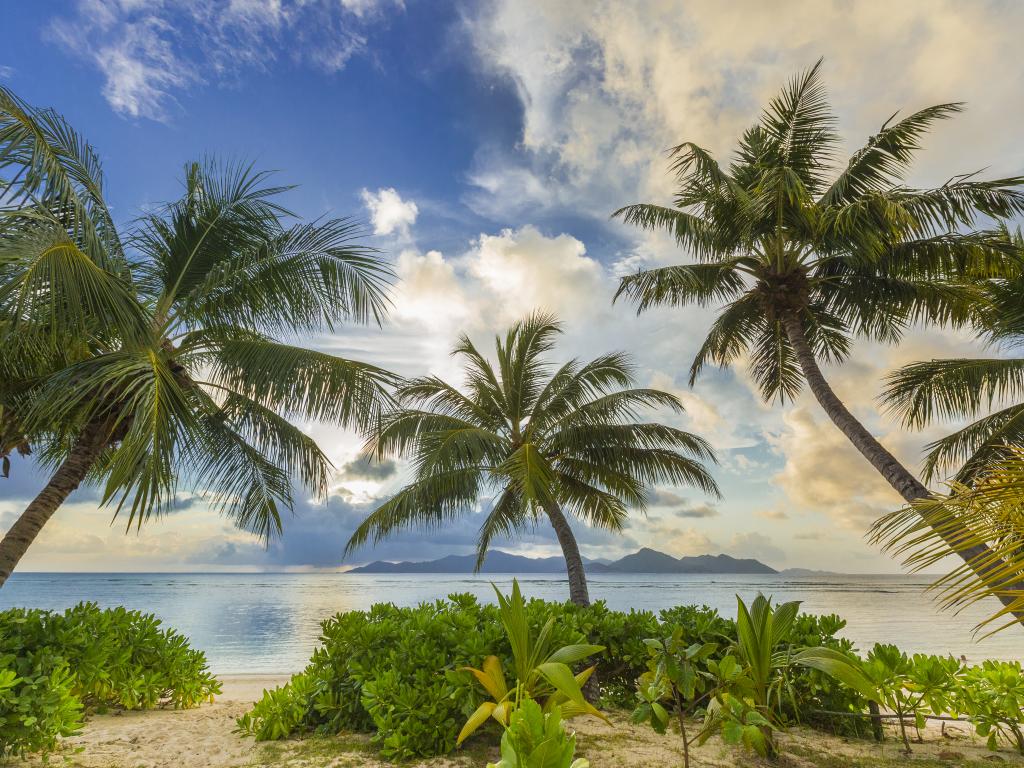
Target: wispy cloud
<point x="150" y="52"/>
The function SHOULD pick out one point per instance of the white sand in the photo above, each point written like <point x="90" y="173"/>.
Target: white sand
<point x="204" y="738"/>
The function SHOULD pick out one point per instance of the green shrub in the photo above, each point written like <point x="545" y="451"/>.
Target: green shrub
<point x="815" y="693"/>
<point x="55" y="666"/>
<point x="395" y="671"/>
<point x="992" y="695"/>
<point x="537" y="739"/>
<point x="36" y="706"/>
<point x="539" y="668"/>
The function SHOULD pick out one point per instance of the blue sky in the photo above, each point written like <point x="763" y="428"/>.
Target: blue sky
<point x="484" y="145"/>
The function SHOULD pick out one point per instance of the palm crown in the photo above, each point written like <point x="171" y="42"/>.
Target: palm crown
<point x="781" y="238"/>
<point x="165" y="359"/>
<point x="538" y="440"/>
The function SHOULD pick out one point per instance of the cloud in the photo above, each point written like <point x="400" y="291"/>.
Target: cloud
<point x="810" y="536"/>
<point x="679" y="506"/>
<point x="824" y="472"/>
<point x="606" y="86"/>
<point x="6" y="73"/>
<point x="756" y="545"/>
<point x="365" y="468"/>
<point x="389" y="213"/>
<point x="150" y="52"/>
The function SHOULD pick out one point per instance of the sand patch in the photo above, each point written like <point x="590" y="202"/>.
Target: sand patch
<point x="204" y="738"/>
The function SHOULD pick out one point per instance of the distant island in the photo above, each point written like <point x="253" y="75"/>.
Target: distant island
<point x="644" y="561"/>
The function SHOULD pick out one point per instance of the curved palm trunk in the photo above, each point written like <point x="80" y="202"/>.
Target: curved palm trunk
<point x="68" y="477"/>
<point x="573" y="562"/>
<point x="908" y="486"/>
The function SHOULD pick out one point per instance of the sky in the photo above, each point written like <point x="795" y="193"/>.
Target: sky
<point x="484" y="145"/>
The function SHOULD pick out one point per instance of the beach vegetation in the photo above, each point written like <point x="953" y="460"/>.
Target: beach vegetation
<point x="57" y="667"/>
<point x="674" y="684"/>
<point x="400" y="673"/>
<point x="546" y="443"/>
<point x="536" y="737"/>
<point x="539" y="669"/>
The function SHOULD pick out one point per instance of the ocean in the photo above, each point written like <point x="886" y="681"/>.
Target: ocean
<point x="270" y="622"/>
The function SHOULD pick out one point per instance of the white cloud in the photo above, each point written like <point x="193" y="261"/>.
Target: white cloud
<point x="148" y="52"/>
<point x="606" y="86"/>
<point x="389" y="213"/>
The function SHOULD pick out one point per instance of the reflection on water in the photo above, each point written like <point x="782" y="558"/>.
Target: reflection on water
<point x="270" y="622"/>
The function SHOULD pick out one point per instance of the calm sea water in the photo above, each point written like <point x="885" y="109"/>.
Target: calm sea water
<point x="269" y="622"/>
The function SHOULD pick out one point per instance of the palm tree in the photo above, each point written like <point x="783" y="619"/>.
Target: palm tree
<point x="805" y="258"/>
<point x="962" y="388"/>
<point x="540" y="443"/>
<point x="174" y="365"/>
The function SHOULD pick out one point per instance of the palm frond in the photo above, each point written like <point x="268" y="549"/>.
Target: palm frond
<point x="977" y="446"/>
<point x="427" y="502"/>
<point x="310" y="384"/>
<point x="887" y="155"/>
<point x="984" y="519"/>
<point x="800" y="125"/>
<point x="304" y="278"/>
<point x="920" y="393"/>
<point x="700" y="284"/>
<point x="46" y="164"/>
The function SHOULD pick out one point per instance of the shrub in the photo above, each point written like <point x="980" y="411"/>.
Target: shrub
<point x="817" y="693"/>
<point x="36" y="706"/>
<point x="992" y="695"/>
<point x="396" y="671"/>
<point x="55" y="666"/>
<point x="539" y="669"/>
<point x="537" y="739"/>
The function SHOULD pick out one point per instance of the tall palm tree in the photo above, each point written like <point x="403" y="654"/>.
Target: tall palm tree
<point x="805" y="257"/>
<point x="541" y="443"/>
<point x="963" y="388"/>
<point x="173" y="365"/>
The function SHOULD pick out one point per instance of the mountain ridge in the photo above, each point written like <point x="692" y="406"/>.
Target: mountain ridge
<point x="645" y="560"/>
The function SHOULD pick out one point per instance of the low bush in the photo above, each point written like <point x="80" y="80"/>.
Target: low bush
<point x="55" y="667"/>
<point x="536" y="738"/>
<point x="395" y="672"/>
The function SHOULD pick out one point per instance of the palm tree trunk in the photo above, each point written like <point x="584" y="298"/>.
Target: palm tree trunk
<point x="908" y="486"/>
<point x="68" y="477"/>
<point x="573" y="562"/>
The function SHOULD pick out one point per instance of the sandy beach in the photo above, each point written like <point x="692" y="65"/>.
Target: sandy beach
<point x="204" y="738"/>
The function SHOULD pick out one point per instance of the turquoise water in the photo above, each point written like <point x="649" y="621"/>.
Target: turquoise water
<point x="269" y="622"/>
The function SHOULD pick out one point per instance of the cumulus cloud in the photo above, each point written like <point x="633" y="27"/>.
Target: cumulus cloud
<point x="389" y="213"/>
<point x="605" y="86"/>
<point x="150" y="52"/>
